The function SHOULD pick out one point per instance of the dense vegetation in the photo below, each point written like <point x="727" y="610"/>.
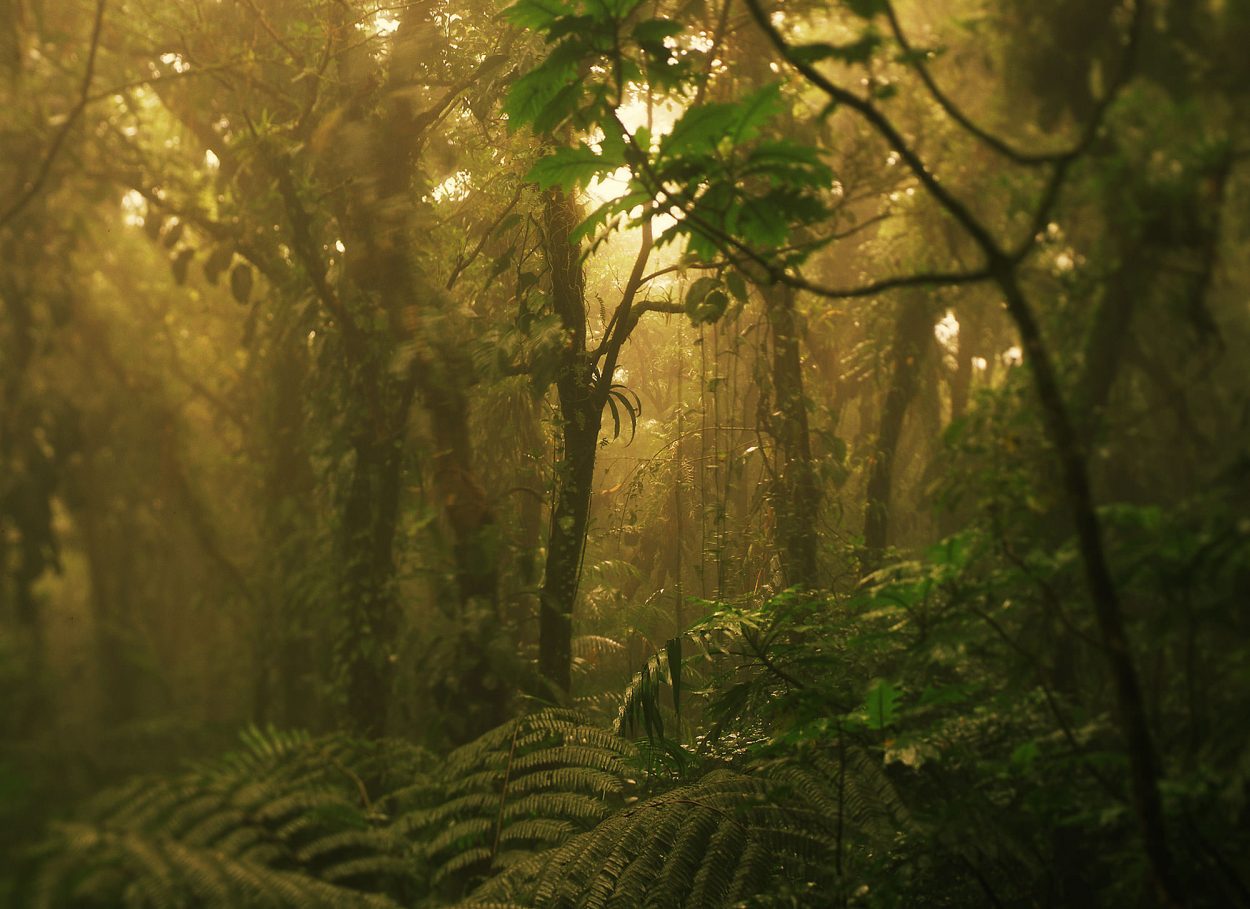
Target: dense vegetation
<point x="624" y="453"/>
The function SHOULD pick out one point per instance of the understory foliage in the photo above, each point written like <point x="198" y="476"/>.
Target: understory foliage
<point x="852" y="749"/>
<point x="543" y="811"/>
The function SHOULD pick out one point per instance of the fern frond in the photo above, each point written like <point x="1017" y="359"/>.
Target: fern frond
<point x="711" y="843"/>
<point x="95" y="866"/>
<point x="534" y="782"/>
<point x="281" y="822"/>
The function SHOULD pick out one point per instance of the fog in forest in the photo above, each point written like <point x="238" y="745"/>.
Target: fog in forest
<point x="606" y="453"/>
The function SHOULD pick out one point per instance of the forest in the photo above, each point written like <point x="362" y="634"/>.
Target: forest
<point x="619" y="454"/>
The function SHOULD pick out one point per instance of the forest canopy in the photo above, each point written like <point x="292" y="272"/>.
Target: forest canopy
<point x="624" y="453"/>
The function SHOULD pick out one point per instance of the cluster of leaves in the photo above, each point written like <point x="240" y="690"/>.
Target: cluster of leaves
<point x="721" y="172"/>
<point x="545" y="810"/>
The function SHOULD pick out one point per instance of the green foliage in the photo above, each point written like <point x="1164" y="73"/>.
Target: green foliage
<point x="248" y="263"/>
<point x="715" y="843"/>
<point x="285" y="821"/>
<point x="292" y="820"/>
<point x="526" y="786"/>
<point x="718" y="168"/>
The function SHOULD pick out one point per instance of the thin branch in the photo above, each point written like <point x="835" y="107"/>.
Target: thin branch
<point x="296" y="57"/>
<point x="160" y="79"/>
<point x="1064" y="728"/>
<point x="464" y="262"/>
<point x="1005" y="149"/>
<point x="682" y="266"/>
<point x="84" y="98"/>
<point x="623" y="320"/>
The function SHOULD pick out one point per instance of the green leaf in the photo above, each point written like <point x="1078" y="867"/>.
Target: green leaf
<point x="762" y="224"/>
<point x="179" y="263"/>
<point x="813" y="52"/>
<point x="673" y="649"/>
<point x="705" y="301"/>
<point x="619" y="9"/>
<point x="536" y="14"/>
<point x="570" y="25"/>
<point x="700" y="128"/>
<point x="654" y="31"/>
<point x="1024" y="755"/>
<point x="882" y="704"/>
<point x="711" y="309"/>
<point x="217" y="262"/>
<point x="788" y="162"/>
<point x="700" y="289"/>
<point x="570" y="167"/>
<point x="544" y="86"/>
<point x="866" y="9"/>
<point x="755" y="110"/>
<point x="241" y="283"/>
<point x="558" y="109"/>
<point x="737" y="286"/>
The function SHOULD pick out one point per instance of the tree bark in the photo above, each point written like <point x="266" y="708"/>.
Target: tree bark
<point x="581" y="412"/>
<point x="367" y="542"/>
<point x="913" y="336"/>
<point x="797" y="492"/>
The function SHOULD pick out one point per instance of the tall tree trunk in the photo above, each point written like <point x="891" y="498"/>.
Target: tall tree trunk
<point x="285" y="659"/>
<point x="569" y="520"/>
<point x="913" y="337"/>
<point x="796" y="497"/>
<point x="527" y="534"/>
<point x="367" y="541"/>
<point x="381" y="224"/>
<point x="581" y="413"/>
<point x="971" y="337"/>
<point x="119" y="679"/>
<point x="478" y="699"/>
